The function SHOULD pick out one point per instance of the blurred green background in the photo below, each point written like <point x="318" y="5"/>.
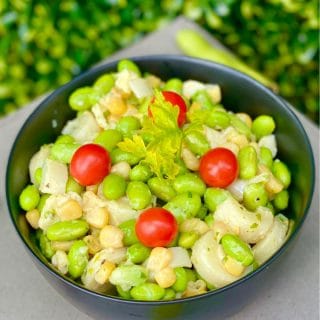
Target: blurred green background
<point x="44" y="44"/>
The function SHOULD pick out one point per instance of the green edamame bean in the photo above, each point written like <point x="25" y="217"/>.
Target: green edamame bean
<point x="161" y="188"/>
<point x="128" y="125"/>
<point x="169" y="294"/>
<point x="237" y="249"/>
<point x="202" y="212"/>
<point x="189" y="182"/>
<point x="281" y="172"/>
<point x="197" y="142"/>
<point x="191" y="274"/>
<point x="73" y="186"/>
<point x="104" y="83"/>
<point x="254" y="196"/>
<point x="67" y="230"/>
<point x="117" y="155"/>
<point x="114" y="186"/>
<point x="128" y="228"/>
<point x="173" y="84"/>
<point x="281" y="200"/>
<point x="217" y="119"/>
<point x="63" y="152"/>
<point x="214" y="196"/>
<point x="108" y="139"/>
<point x="123" y="294"/>
<point x="203" y="98"/>
<point x="239" y="125"/>
<point x="65" y="138"/>
<point x="209" y="220"/>
<point x="38" y="175"/>
<point x="181" y="280"/>
<point x="42" y="201"/>
<point x="138" y="253"/>
<point x="45" y="246"/>
<point x="184" y="205"/>
<point x="78" y="258"/>
<point x="147" y="292"/>
<point x="265" y="157"/>
<point x="139" y="195"/>
<point x="247" y="159"/>
<point x="129" y="65"/>
<point x="140" y="172"/>
<point x="83" y="98"/>
<point x="262" y="126"/>
<point x="188" y="239"/>
<point x="29" y="198"/>
<point x="270" y="206"/>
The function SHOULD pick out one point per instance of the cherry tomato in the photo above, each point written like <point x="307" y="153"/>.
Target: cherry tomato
<point x="218" y="167"/>
<point x="156" y="227"/>
<point x="176" y="100"/>
<point x="90" y="164"/>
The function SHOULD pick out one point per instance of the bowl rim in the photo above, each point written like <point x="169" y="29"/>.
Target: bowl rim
<point x="100" y="68"/>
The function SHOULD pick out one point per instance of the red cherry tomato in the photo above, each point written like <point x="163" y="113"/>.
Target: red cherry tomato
<point x="90" y="164"/>
<point x="176" y="100"/>
<point x="156" y="227"/>
<point x="218" y="167"/>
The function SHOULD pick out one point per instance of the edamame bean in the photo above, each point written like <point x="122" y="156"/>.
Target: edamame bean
<point x="42" y="201"/>
<point x="209" y="220"/>
<point x="184" y="205"/>
<point x="182" y="280"/>
<point x="65" y="138"/>
<point x="169" y="294"/>
<point x="173" y="84"/>
<point x="73" y="186"/>
<point x="138" y="253"/>
<point x="189" y="182"/>
<point x="129" y="65"/>
<point x="247" y="159"/>
<point x="265" y="157"/>
<point x="128" y="228"/>
<point x="117" y="155"/>
<point x="67" y="230"/>
<point x="191" y="274"/>
<point x="114" y="186"/>
<point x="281" y="200"/>
<point x="128" y="125"/>
<point x="239" y="125"/>
<point x="83" y="98"/>
<point x="63" y="152"/>
<point x="123" y="294"/>
<point x="45" y="245"/>
<point x="214" y="196"/>
<point x="237" y="249"/>
<point x="29" y="198"/>
<point x="104" y="83"/>
<point x="262" y="126"/>
<point x="254" y="196"/>
<point x="217" y="119"/>
<point x="161" y="188"/>
<point x="78" y="258"/>
<point x="197" y="142"/>
<point x="270" y="206"/>
<point x="188" y="239"/>
<point x="281" y="172"/>
<point x="38" y="175"/>
<point x="108" y="139"/>
<point x="140" y="172"/>
<point x="139" y="195"/>
<point x="147" y="292"/>
<point x="202" y="212"/>
<point x="203" y="98"/>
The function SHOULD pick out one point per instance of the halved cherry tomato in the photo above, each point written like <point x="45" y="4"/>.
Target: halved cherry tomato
<point x="218" y="167"/>
<point x="176" y="100"/>
<point x="156" y="227"/>
<point x="90" y="164"/>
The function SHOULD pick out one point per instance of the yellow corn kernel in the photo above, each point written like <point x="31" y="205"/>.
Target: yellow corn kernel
<point x="103" y="274"/>
<point x="159" y="259"/>
<point x="239" y="139"/>
<point x="233" y="266"/>
<point x="273" y="185"/>
<point x="93" y="188"/>
<point x="154" y="81"/>
<point x="111" y="237"/>
<point x="165" y="277"/>
<point x="62" y="245"/>
<point x="69" y="210"/>
<point x="122" y="169"/>
<point x="214" y="92"/>
<point x="92" y="243"/>
<point x="33" y="217"/>
<point x="194" y="288"/>
<point x="98" y="217"/>
<point x="190" y="160"/>
<point x="194" y="224"/>
<point x="245" y="118"/>
<point x="60" y="261"/>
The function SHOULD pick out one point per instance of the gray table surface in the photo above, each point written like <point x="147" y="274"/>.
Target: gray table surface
<point x="293" y="290"/>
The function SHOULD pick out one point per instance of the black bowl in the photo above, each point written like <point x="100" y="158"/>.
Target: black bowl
<point x="240" y="93"/>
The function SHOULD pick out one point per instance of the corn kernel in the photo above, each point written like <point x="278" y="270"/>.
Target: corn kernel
<point x="69" y="210"/>
<point x="159" y="259"/>
<point x="245" y="118"/>
<point x="93" y="188"/>
<point x="273" y="185"/>
<point x="122" y="169"/>
<point x="61" y="245"/>
<point x="190" y="160"/>
<point x="111" y="237"/>
<point x="165" y="277"/>
<point x="93" y="244"/>
<point x="233" y="267"/>
<point x="103" y="274"/>
<point x="194" y="288"/>
<point x="98" y="217"/>
<point x="33" y="217"/>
